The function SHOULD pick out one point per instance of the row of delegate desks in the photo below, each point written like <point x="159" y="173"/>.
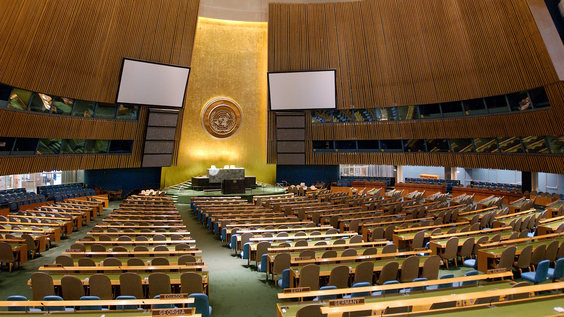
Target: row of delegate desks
<point x="275" y="249"/>
<point x="50" y="307"/>
<point x="59" y="227"/>
<point x="488" y="255"/>
<point x="481" y="295"/>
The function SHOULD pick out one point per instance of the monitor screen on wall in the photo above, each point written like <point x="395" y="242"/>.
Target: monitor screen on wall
<point x="302" y="90"/>
<point x="153" y="84"/>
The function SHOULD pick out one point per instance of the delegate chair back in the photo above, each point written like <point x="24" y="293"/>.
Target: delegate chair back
<point x="135" y="262"/>
<point x="140" y="248"/>
<point x="339" y="241"/>
<point x="309" y="277"/>
<point x="538" y="255"/>
<point x="466" y="249"/>
<point x="119" y="249"/>
<point x="451" y="251"/>
<point x="281" y="262"/>
<point x="369" y="251"/>
<point x="551" y="251"/>
<point x="431" y="267"/>
<point x="310" y="311"/>
<point x="86" y="262"/>
<point x="377" y="233"/>
<point x="41" y="285"/>
<point x="159" y="283"/>
<point x="78" y="246"/>
<point x="507" y="257"/>
<point x="187" y="258"/>
<point x="32" y="247"/>
<point x="7" y="254"/>
<point x="339" y="276"/>
<point x="307" y="253"/>
<point x="112" y="262"/>
<point x="540" y="275"/>
<point x="364" y="272"/>
<point x="524" y="260"/>
<point x="418" y="240"/>
<point x="262" y="248"/>
<point x="131" y="284"/>
<point x="160" y="261"/>
<point x="409" y="269"/>
<point x="72" y="287"/>
<point x="101" y="286"/>
<point x="390" y="248"/>
<point x="349" y="252"/>
<point x="191" y="282"/>
<point x="389" y="272"/>
<point x="329" y="254"/>
<point x="96" y="247"/>
<point x="64" y="260"/>
<point x="356" y="239"/>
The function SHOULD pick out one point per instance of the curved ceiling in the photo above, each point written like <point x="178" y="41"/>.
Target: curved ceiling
<point x="245" y="10"/>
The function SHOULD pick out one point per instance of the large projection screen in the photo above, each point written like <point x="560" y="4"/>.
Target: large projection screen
<point x="302" y="90"/>
<point x="153" y="84"/>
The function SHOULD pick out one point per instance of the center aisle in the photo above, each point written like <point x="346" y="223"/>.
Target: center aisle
<point x="235" y="290"/>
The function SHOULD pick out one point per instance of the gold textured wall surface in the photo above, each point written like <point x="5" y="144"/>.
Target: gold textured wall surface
<point x="230" y="61"/>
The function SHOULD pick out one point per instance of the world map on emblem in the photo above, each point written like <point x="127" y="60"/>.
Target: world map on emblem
<point x="221" y="118"/>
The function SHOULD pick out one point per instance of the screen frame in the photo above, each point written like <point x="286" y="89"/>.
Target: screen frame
<point x="334" y="70"/>
<point x="157" y="63"/>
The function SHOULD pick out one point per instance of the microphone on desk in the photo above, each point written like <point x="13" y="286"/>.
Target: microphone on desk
<point x="45" y="308"/>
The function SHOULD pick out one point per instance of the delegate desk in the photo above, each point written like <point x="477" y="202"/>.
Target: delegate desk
<point x="467" y="280"/>
<point x="167" y="242"/>
<point x="195" y="266"/>
<point x="72" y="220"/>
<point x="548" y="226"/>
<point x="184" y="234"/>
<point x="438" y="243"/>
<point x="114" y="279"/>
<point x="404" y="236"/>
<point x="42" y="210"/>
<point x="46" y="306"/>
<point x="53" y="234"/>
<point x="480" y="194"/>
<point x="325" y="269"/>
<point x="450" y="298"/>
<point x="19" y="248"/>
<point x="487" y="257"/>
<point x="130" y="253"/>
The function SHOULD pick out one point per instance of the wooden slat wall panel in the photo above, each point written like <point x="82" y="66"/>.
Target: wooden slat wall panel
<point x="75" y="48"/>
<point x="413" y="52"/>
<point x="44" y="48"/>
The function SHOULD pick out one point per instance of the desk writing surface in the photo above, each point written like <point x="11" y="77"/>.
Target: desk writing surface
<point x="497" y="251"/>
<point x="173" y="260"/>
<point x="292" y="307"/>
<point x="504" y="235"/>
<point x="114" y="277"/>
<point x="539" y="307"/>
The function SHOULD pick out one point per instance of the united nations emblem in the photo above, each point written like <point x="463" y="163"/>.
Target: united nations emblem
<point x="221" y="118"/>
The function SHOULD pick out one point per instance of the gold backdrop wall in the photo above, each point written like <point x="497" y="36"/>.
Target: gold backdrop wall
<point x="229" y="60"/>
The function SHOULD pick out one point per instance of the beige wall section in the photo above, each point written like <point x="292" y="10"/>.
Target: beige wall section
<point x="229" y="60"/>
<point x="245" y="10"/>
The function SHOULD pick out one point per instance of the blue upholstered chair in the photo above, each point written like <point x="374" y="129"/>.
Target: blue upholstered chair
<point x="261" y="267"/>
<point x="359" y="294"/>
<point x="51" y="298"/>
<point x="326" y="297"/>
<point x="540" y="275"/>
<point x="558" y="270"/>
<point x="444" y="285"/>
<point x="284" y="282"/>
<point x="201" y="304"/>
<point x="126" y="307"/>
<point x="393" y="291"/>
<point x="22" y="308"/>
<point x="91" y="307"/>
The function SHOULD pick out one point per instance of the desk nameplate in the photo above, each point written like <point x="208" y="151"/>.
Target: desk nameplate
<point x="296" y="290"/>
<point x="346" y="302"/>
<point x="173" y="312"/>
